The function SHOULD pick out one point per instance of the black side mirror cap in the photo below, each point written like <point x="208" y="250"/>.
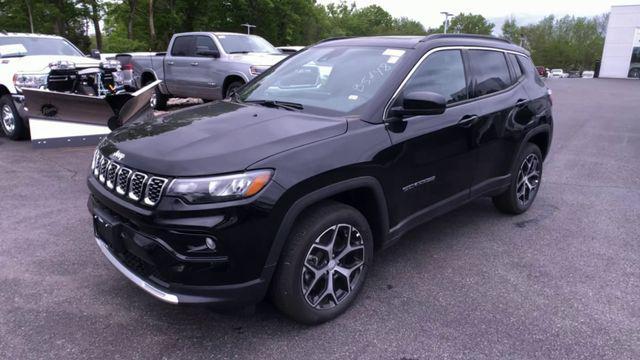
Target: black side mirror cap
<point x="420" y="103"/>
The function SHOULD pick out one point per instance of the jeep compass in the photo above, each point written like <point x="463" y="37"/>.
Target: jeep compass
<point x="289" y="187"/>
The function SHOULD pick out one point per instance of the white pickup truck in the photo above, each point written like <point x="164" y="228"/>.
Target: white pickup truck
<point x="46" y="62"/>
<point x="207" y="65"/>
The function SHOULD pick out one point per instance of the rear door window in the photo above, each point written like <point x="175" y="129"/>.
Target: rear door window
<point x="516" y="67"/>
<point x="490" y="71"/>
<point x="183" y="46"/>
<point x="442" y="73"/>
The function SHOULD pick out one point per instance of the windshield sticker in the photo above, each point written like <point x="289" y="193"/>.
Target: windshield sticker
<point x="393" y="52"/>
<point x="12" y="49"/>
<point x="393" y="59"/>
<point x="353" y="97"/>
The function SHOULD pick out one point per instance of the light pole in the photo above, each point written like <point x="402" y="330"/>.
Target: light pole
<point x="248" y="26"/>
<point x="447" y="15"/>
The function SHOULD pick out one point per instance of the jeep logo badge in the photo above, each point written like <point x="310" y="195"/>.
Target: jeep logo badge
<point x="118" y="155"/>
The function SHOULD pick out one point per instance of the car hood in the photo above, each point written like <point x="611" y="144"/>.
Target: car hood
<point x="257" y="58"/>
<point x="215" y="138"/>
<point x="40" y="63"/>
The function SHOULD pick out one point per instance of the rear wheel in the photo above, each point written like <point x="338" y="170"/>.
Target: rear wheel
<point x="525" y="184"/>
<point x="324" y="264"/>
<point x="634" y="73"/>
<point x="12" y="124"/>
<point x="158" y="100"/>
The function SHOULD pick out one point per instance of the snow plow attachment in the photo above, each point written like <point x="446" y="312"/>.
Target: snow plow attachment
<point x="59" y="119"/>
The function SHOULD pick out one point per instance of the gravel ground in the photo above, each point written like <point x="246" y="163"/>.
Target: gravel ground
<point x="559" y="282"/>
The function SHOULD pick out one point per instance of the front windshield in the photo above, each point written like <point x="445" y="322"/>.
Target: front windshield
<point x="235" y="44"/>
<point x="40" y="46"/>
<point x="331" y="79"/>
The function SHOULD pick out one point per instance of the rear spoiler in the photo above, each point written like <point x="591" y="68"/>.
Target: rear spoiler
<point x="65" y="119"/>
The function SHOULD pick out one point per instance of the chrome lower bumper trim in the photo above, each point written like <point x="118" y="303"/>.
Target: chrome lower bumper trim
<point x="164" y="296"/>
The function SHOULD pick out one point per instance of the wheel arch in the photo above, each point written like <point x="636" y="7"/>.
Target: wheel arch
<point x="230" y="79"/>
<point x="350" y="192"/>
<point x="4" y="90"/>
<point x="541" y="136"/>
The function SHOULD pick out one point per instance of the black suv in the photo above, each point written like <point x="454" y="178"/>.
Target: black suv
<point x="290" y="185"/>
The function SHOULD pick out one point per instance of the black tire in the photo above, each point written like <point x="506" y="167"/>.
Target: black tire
<point x="634" y="73"/>
<point x="160" y="100"/>
<point x="17" y="130"/>
<point x="287" y="292"/>
<point x="232" y="87"/>
<point x="516" y="199"/>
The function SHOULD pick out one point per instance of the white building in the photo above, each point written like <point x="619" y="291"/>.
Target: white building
<point x="621" y="54"/>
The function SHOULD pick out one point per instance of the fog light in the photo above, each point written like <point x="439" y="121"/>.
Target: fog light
<point x="211" y="244"/>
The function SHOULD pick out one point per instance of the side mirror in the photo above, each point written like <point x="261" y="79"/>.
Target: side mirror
<point x="208" y="53"/>
<point x="95" y="53"/>
<point x="420" y="103"/>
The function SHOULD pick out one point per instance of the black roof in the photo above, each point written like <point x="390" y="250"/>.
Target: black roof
<point x="436" y="40"/>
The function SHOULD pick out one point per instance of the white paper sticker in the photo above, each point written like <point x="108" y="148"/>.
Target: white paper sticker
<point x="393" y="59"/>
<point x="353" y="97"/>
<point x="12" y="49"/>
<point x="393" y="52"/>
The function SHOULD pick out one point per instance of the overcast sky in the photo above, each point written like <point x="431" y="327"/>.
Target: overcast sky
<point x="428" y="12"/>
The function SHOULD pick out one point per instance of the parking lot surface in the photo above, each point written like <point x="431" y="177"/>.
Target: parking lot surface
<point x="561" y="281"/>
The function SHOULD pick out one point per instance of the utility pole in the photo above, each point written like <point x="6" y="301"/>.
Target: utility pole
<point x="248" y="26"/>
<point x="447" y="15"/>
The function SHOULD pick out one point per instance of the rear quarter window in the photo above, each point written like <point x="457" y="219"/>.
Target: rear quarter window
<point x="489" y="70"/>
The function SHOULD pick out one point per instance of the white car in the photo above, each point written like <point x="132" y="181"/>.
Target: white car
<point x="557" y="74"/>
<point x="587" y="74"/>
<point x="25" y="62"/>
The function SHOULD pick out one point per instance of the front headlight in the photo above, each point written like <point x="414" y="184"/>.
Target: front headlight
<point x="258" y="69"/>
<point x="220" y="188"/>
<point x="23" y="80"/>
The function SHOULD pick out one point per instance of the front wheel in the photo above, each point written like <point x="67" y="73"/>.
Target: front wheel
<point x="233" y="87"/>
<point x="158" y="100"/>
<point x="634" y="73"/>
<point x="10" y="121"/>
<point x="525" y="184"/>
<point x="324" y="264"/>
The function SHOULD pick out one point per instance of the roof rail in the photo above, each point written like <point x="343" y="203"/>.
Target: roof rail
<point x="334" y="38"/>
<point x="464" y="36"/>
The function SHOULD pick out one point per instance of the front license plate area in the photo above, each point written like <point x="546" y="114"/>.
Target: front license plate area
<point x="108" y="231"/>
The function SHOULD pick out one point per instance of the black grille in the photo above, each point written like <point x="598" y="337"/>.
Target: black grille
<point x="123" y="181"/>
<point x="137" y="186"/>
<point x="154" y="190"/>
<point x="112" y="172"/>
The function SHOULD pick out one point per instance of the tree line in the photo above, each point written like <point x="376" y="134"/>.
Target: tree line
<point x="147" y="25"/>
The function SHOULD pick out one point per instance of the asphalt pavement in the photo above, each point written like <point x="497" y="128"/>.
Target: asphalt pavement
<point x="561" y="281"/>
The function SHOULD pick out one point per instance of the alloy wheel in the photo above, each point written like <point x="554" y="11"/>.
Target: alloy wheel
<point x="8" y="120"/>
<point x="528" y="179"/>
<point x="333" y="266"/>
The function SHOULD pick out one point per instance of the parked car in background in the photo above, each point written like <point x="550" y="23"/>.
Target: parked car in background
<point x="289" y="50"/>
<point x="46" y="62"/>
<point x="286" y="188"/>
<point x="574" y="74"/>
<point x="207" y="65"/>
<point x="588" y="74"/>
<point x="542" y="71"/>
<point x="557" y="74"/>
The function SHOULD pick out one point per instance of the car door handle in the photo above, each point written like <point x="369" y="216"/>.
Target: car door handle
<point x="169" y="62"/>
<point x="521" y="102"/>
<point x="194" y="64"/>
<point x="467" y="120"/>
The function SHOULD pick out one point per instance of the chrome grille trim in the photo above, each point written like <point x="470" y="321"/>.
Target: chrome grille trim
<point x="112" y="173"/>
<point x="104" y="164"/>
<point x="136" y="186"/>
<point x="122" y="184"/>
<point x="155" y="186"/>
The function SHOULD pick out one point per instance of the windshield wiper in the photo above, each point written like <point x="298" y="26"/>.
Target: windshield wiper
<point x="240" y="52"/>
<point x="277" y="104"/>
